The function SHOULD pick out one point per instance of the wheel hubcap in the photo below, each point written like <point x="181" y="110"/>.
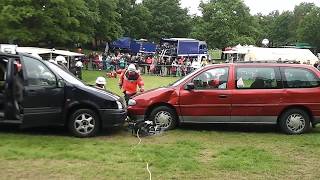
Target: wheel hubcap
<point x="296" y="122"/>
<point x="84" y="124"/>
<point x="163" y="119"/>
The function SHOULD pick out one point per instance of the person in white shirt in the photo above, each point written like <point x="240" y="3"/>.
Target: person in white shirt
<point x="79" y="67"/>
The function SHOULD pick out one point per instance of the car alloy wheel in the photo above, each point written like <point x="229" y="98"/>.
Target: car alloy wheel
<point x="84" y="124"/>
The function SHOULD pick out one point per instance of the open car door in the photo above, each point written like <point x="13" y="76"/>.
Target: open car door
<point x="12" y="107"/>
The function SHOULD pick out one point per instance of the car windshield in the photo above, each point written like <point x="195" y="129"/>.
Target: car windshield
<point x="179" y="81"/>
<point x="67" y="76"/>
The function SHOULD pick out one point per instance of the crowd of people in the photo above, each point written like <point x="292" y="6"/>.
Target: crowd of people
<point x="146" y="64"/>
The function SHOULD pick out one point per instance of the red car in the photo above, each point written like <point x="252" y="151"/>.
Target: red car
<point x="284" y="94"/>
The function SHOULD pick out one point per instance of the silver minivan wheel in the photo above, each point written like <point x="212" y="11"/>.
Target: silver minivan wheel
<point x="165" y="117"/>
<point x="295" y="121"/>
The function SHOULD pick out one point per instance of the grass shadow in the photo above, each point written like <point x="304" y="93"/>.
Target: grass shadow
<point x="248" y="128"/>
<point x="52" y="131"/>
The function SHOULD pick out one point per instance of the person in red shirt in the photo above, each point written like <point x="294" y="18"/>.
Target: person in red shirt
<point x="129" y="80"/>
<point x="149" y="62"/>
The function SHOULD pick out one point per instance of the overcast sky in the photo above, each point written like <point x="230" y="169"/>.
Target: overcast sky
<point x="263" y="6"/>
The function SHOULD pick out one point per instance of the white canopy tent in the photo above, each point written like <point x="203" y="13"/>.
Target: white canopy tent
<point x="252" y="53"/>
<point x="304" y="56"/>
<point x="52" y="52"/>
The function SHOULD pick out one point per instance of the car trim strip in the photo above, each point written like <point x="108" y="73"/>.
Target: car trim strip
<point x="232" y="119"/>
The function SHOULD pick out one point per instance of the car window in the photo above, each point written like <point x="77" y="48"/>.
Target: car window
<point x="299" y="78"/>
<point x="212" y="79"/>
<point x="256" y="78"/>
<point x="66" y="75"/>
<point x="38" y="74"/>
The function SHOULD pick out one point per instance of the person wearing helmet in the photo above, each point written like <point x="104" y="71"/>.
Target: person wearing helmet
<point x="79" y="67"/>
<point x="100" y="82"/>
<point x="129" y="80"/>
<point x="61" y="61"/>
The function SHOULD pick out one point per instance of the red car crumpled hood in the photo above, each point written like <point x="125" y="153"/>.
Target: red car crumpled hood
<point x="159" y="95"/>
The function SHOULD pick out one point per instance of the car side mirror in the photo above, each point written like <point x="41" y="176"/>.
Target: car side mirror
<point x="61" y="83"/>
<point x="190" y="86"/>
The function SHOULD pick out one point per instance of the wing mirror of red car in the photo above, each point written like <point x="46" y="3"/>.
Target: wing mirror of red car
<point x="190" y="86"/>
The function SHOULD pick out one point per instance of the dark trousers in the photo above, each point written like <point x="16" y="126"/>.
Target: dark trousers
<point x="128" y="96"/>
<point x="79" y="73"/>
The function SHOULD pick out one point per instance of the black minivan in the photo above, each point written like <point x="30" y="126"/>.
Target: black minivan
<point x="52" y="96"/>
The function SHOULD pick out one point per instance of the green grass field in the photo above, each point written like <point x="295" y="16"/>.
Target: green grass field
<point x="189" y="152"/>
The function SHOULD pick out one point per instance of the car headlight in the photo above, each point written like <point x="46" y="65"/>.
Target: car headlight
<point x="120" y="106"/>
<point x="132" y="102"/>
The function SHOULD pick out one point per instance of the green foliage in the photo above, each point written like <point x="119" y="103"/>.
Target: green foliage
<point x="281" y="29"/>
<point x="226" y="23"/>
<point x="288" y="27"/>
<point x="53" y="22"/>
<point x="215" y="53"/>
<point x="135" y="19"/>
<point x="309" y="29"/>
<point x="108" y="26"/>
<point x="64" y="23"/>
<point x="168" y="19"/>
<point x="58" y="22"/>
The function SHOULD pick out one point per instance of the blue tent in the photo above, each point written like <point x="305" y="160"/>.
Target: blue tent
<point x="121" y="43"/>
<point x="134" y="46"/>
<point x="149" y="47"/>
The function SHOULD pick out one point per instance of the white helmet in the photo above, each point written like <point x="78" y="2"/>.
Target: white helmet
<point x="61" y="59"/>
<point x="79" y="64"/>
<point x="132" y="68"/>
<point x="101" y="80"/>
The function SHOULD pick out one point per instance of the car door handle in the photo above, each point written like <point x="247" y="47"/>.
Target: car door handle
<point x="223" y="96"/>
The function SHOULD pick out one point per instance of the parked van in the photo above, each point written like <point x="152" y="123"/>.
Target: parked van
<point x="39" y="93"/>
<point x="287" y="95"/>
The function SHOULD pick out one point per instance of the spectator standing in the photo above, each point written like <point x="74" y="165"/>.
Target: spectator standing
<point x="188" y="65"/>
<point x="204" y="62"/>
<point x="86" y="62"/>
<point x="163" y="68"/>
<point x="149" y="61"/>
<point x="174" y="67"/>
<point x="78" y="67"/>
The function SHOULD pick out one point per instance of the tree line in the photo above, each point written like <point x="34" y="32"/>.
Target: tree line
<point x="69" y="23"/>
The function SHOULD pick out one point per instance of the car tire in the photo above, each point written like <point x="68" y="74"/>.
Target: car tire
<point x="294" y="121"/>
<point x="165" y="117"/>
<point x="84" y="123"/>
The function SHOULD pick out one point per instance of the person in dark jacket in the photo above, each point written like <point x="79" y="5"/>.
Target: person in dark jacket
<point x="17" y="90"/>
